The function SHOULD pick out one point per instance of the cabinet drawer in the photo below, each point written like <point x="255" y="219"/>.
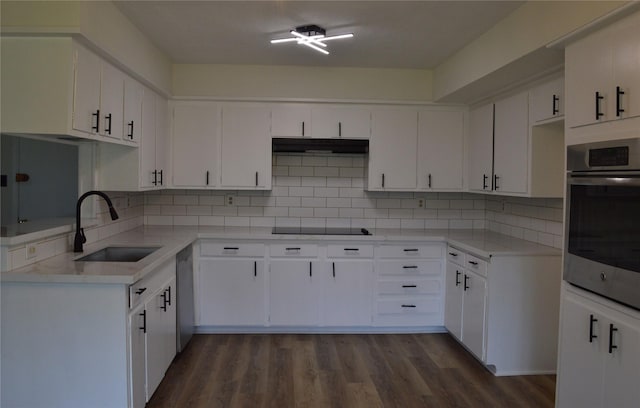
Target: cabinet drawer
<point x="425" y="311"/>
<point x="409" y="268"/>
<point x="145" y="287"/>
<point x="410" y="287"/>
<point x="350" y="251"/>
<point x="293" y="250"/>
<point x="476" y="264"/>
<point x="409" y="251"/>
<point x="231" y="249"/>
<point x="456" y="256"/>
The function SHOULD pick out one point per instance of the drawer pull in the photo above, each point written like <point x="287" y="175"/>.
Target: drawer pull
<point x="474" y="263"/>
<point x="352" y="249"/>
<point x="255" y="269"/>
<point x="144" y="321"/>
<point x="466" y="279"/>
<point x="140" y="291"/>
<point x="458" y="273"/>
<point x="453" y="254"/>
<point x="612" y="346"/>
<point x="409" y="286"/>
<point x="334" y="269"/>
<point x="408" y="305"/>
<point x="409" y="267"/>
<point x="231" y="248"/>
<point x="292" y="249"/>
<point x="410" y="250"/>
<point x="592" y="336"/>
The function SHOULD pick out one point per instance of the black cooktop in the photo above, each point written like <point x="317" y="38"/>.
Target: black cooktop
<point x="319" y="231"/>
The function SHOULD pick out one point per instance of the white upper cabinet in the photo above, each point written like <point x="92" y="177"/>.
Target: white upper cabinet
<point x="133" y="92"/>
<point x="111" y="102"/>
<point x="480" y="156"/>
<point x="346" y="122"/>
<point x="291" y="120"/>
<point x="194" y="144"/>
<point x="246" y="147"/>
<point x="392" y="150"/>
<point x="546" y="101"/>
<point x="440" y="150"/>
<point x="86" y="97"/>
<point x="511" y="137"/>
<point x="603" y="74"/>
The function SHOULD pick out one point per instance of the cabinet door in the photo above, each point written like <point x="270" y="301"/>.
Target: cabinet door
<point x="392" y="150"/>
<point x="347" y="293"/>
<point x="340" y="121"/>
<point x="162" y="140"/>
<point x="137" y="333"/>
<point x="480" y="157"/>
<point x="86" y="96"/>
<point x="440" y="150"/>
<point x="231" y="292"/>
<point x="473" y="312"/>
<point x="547" y="101"/>
<point x="582" y="333"/>
<point x="293" y="293"/>
<point x="195" y="144"/>
<point x="111" y="102"/>
<point x="169" y="322"/>
<point x="625" y="45"/>
<point x="246" y="147"/>
<point x="155" y="341"/>
<point x="588" y="68"/>
<point x="453" y="299"/>
<point x="511" y="144"/>
<point x="291" y="120"/>
<point x="132" y="125"/>
<point x="147" y="152"/>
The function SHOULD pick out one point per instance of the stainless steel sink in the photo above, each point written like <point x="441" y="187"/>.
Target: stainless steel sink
<point x="118" y="254"/>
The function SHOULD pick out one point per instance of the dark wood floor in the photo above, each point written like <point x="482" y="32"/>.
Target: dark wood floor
<point x="313" y="370"/>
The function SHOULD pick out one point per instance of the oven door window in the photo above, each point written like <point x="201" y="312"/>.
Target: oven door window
<point x="604" y="224"/>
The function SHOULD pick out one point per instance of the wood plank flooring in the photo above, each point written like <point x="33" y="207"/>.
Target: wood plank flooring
<point x="341" y="370"/>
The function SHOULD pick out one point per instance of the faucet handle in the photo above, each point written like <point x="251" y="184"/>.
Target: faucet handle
<point x="84" y="239"/>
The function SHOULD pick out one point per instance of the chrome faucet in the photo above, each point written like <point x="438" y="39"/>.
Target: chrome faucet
<point x="80" y="238"/>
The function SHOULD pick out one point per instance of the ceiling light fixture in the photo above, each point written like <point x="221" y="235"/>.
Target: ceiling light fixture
<point x="311" y="36"/>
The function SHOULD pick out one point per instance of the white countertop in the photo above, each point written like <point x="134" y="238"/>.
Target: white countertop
<point x="63" y="268"/>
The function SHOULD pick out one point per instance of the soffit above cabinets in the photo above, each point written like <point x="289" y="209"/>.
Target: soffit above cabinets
<point x="388" y="34"/>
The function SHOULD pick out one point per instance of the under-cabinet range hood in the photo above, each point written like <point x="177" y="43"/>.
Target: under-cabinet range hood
<point x="297" y="145"/>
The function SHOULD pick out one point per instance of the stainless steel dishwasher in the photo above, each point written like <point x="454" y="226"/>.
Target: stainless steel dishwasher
<point x="185" y="313"/>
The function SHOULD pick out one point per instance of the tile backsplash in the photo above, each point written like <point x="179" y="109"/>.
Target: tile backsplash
<point x="328" y="190"/>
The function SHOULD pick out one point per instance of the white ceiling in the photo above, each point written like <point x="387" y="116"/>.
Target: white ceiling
<point x="387" y="34"/>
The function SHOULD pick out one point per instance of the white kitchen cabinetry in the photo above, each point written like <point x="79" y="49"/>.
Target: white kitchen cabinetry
<point x="194" y="144"/>
<point x="246" y="147"/>
<point x="86" y="98"/>
<point x="507" y="156"/>
<point x="336" y="121"/>
<point x="599" y="361"/>
<point x="440" y="150"/>
<point x="291" y="120"/>
<point x="111" y="102"/>
<point x="230" y="287"/>
<point x="546" y="101"/>
<point x="294" y="285"/>
<point x="347" y="291"/>
<point x="504" y="309"/>
<point x="125" y="168"/>
<point x="603" y="74"/>
<point x="133" y="94"/>
<point x="84" y="344"/>
<point x="392" y="150"/>
<point x="409" y="285"/>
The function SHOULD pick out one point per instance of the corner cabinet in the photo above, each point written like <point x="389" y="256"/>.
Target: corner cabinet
<point x="510" y="156"/>
<point x="392" y="150"/>
<point x="599" y="361"/>
<point x="87" y="344"/>
<point x="504" y="309"/>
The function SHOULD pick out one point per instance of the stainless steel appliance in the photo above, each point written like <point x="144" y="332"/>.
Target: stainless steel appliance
<point x="184" y="282"/>
<point x="602" y="227"/>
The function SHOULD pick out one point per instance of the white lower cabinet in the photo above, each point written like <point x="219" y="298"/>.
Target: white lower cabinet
<point x="599" y="362"/>
<point x="409" y="285"/>
<point x="504" y="309"/>
<point x="294" y="294"/>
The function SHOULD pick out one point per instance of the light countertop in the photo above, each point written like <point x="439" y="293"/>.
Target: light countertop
<point x="64" y="269"/>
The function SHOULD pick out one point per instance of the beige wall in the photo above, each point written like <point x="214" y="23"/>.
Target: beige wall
<point x="101" y="23"/>
<point x="527" y="29"/>
<point x="293" y="82"/>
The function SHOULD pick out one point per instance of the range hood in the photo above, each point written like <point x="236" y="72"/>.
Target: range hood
<point x="298" y="145"/>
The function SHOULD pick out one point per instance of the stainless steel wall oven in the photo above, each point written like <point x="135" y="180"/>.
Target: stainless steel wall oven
<point x="602" y="226"/>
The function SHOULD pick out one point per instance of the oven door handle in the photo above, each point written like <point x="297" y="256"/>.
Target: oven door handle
<point x="605" y="180"/>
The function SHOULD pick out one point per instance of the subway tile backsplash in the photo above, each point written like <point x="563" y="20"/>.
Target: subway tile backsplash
<point x="319" y="190"/>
